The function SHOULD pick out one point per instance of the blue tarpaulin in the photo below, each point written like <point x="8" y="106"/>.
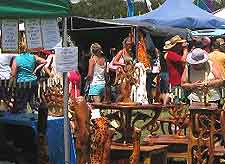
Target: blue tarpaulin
<point x="180" y="13"/>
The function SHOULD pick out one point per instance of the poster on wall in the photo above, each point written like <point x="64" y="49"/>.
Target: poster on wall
<point x="50" y="33"/>
<point x="66" y="59"/>
<point x="33" y="34"/>
<point x="10" y="31"/>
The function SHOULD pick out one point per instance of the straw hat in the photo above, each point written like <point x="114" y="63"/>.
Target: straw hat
<point x="173" y="41"/>
<point x="220" y="41"/>
<point x="197" y="56"/>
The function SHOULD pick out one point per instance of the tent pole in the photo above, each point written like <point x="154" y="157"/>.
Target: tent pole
<point x="135" y="32"/>
<point x="65" y="97"/>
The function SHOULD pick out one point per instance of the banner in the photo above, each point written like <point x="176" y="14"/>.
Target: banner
<point x="50" y="33"/>
<point x="33" y="33"/>
<point x="10" y="40"/>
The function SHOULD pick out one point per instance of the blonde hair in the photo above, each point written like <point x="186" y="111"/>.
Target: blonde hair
<point x="96" y="49"/>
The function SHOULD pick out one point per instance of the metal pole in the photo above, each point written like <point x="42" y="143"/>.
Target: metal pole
<point x="65" y="96"/>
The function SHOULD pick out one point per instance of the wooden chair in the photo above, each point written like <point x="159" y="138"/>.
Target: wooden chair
<point x="174" y="133"/>
<point x="207" y="129"/>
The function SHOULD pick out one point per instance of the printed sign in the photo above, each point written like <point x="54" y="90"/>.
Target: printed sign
<point x="33" y="33"/>
<point x="10" y="31"/>
<point x="66" y="59"/>
<point x="50" y="33"/>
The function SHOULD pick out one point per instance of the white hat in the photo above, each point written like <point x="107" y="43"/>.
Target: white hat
<point x="197" y="56"/>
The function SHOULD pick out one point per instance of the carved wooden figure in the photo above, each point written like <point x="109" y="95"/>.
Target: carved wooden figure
<point x="81" y="118"/>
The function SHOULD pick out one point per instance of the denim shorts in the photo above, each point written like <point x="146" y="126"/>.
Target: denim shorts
<point x="96" y="90"/>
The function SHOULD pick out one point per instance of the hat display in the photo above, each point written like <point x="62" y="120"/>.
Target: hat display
<point x="197" y="56"/>
<point x="173" y="41"/>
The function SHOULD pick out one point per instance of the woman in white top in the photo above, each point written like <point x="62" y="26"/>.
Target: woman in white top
<point x="199" y="74"/>
<point x="96" y="71"/>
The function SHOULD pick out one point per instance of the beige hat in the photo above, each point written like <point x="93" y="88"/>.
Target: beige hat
<point x="220" y="41"/>
<point x="197" y="56"/>
<point x="173" y="41"/>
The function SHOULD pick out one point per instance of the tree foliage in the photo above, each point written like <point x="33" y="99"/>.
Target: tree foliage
<point x="108" y="9"/>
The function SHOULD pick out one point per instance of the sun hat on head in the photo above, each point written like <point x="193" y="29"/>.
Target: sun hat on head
<point x="197" y="56"/>
<point x="220" y="41"/>
<point x="173" y="41"/>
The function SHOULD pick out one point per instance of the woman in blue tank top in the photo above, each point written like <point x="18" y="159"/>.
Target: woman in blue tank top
<point x="22" y="70"/>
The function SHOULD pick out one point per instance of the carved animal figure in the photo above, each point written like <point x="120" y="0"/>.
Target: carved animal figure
<point x="81" y="118"/>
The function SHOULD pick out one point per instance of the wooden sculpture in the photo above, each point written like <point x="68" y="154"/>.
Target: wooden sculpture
<point x="101" y="138"/>
<point x="136" y="144"/>
<point x="54" y="98"/>
<point x="126" y="77"/>
<point x="81" y="119"/>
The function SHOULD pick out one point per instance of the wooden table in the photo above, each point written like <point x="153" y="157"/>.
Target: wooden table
<point x="124" y="117"/>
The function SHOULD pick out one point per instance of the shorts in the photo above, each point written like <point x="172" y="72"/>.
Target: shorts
<point x="164" y="82"/>
<point x="96" y="90"/>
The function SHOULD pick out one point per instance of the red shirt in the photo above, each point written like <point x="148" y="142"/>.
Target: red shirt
<point x="175" y="67"/>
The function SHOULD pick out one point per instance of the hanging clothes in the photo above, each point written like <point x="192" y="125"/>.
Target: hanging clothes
<point x="139" y="93"/>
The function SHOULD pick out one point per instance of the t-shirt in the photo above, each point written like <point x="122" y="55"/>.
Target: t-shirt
<point x="218" y="58"/>
<point x="175" y="67"/>
<point x="5" y="66"/>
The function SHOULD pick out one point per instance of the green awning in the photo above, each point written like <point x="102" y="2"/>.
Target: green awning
<point x="34" y="8"/>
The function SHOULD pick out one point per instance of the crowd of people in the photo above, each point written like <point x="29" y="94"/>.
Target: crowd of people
<point x="189" y="71"/>
<point x="182" y="70"/>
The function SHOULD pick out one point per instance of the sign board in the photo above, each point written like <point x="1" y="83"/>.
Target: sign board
<point x="10" y="31"/>
<point x="50" y="33"/>
<point x="33" y="33"/>
<point x="66" y="59"/>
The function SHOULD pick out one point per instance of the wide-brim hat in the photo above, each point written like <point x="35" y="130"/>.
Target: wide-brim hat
<point x="173" y="41"/>
<point x="197" y="56"/>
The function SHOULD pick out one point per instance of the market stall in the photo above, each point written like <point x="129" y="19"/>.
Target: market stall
<point x="41" y="32"/>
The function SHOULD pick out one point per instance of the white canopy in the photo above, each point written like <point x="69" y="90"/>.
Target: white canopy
<point x="220" y="13"/>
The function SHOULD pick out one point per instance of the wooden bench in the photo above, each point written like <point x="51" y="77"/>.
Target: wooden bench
<point x="120" y="153"/>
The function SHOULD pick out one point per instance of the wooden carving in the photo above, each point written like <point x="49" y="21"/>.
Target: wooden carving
<point x="125" y="78"/>
<point x="54" y="98"/>
<point x="81" y="118"/>
<point x="136" y="144"/>
<point x="101" y="138"/>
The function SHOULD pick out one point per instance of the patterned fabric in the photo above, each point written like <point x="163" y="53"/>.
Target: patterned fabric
<point x="25" y="66"/>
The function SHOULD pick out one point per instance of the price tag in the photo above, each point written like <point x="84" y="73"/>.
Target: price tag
<point x="66" y="59"/>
